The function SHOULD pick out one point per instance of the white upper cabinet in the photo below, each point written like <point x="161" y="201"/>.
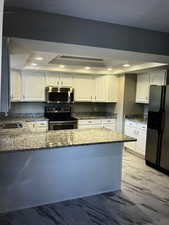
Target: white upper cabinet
<point x="33" y="86"/>
<point x="59" y="79"/>
<point x="84" y="86"/>
<point x="66" y="79"/>
<point x="52" y="78"/>
<point x="30" y="86"/>
<point x="145" y="80"/>
<point x="111" y="88"/>
<point x="16" y="85"/>
<point x="100" y="89"/>
<point x="95" y="88"/>
<point x="158" y="77"/>
<point x="143" y="87"/>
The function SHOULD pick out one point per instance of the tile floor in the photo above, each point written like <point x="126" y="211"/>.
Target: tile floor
<point x="144" y="200"/>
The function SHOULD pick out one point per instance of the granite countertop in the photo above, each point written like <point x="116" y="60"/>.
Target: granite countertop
<point x="23" y="119"/>
<point x="20" y="139"/>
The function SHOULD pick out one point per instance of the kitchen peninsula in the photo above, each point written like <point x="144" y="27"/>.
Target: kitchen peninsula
<point x="44" y="167"/>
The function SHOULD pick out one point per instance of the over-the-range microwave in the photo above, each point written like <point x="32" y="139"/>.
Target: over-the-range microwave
<point x="59" y="94"/>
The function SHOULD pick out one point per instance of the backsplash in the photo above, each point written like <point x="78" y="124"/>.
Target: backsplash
<point x="33" y="109"/>
<point x="27" y="107"/>
<point x="84" y="107"/>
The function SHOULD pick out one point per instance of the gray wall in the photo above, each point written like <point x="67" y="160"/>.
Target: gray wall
<point x="130" y="106"/>
<point x="58" y="28"/>
<point x="32" y="178"/>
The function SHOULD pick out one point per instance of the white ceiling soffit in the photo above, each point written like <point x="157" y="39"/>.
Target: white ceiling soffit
<point x="18" y="61"/>
<point x="151" y="14"/>
<point x="80" y="56"/>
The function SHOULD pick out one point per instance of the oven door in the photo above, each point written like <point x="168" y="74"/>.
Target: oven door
<point x="62" y="125"/>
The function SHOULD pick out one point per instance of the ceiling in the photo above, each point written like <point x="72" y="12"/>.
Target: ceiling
<point x="151" y="14"/>
<point x="76" y="58"/>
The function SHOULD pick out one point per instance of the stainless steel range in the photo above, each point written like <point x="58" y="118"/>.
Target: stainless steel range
<point x="60" y="117"/>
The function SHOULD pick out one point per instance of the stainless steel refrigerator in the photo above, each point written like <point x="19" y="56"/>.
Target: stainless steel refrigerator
<point x="157" y="144"/>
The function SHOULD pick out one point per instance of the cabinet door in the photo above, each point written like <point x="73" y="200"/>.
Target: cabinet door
<point x="130" y="130"/>
<point x="52" y="79"/>
<point x="1" y="6"/>
<point x="84" y="88"/>
<point x="89" y="126"/>
<point x="100" y="94"/>
<point x="143" y="86"/>
<point x="111" y="87"/>
<point x="33" y="86"/>
<point x="158" y="77"/>
<point x="16" y="92"/>
<point x="66" y="79"/>
<point x="141" y="138"/>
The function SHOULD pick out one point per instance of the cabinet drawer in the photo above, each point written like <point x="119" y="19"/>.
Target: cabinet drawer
<point x="82" y="126"/>
<point x="130" y="123"/>
<point x="37" y="126"/>
<point x="107" y="121"/>
<point x="86" y="122"/>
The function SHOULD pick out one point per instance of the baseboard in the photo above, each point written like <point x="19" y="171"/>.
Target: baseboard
<point x="134" y="153"/>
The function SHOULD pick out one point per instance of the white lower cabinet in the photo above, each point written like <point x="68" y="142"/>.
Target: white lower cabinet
<point x="130" y="130"/>
<point x="141" y="138"/>
<point x="90" y="126"/>
<point x="136" y="130"/>
<point x="109" y="124"/>
<point x="37" y="126"/>
<point x="97" y="123"/>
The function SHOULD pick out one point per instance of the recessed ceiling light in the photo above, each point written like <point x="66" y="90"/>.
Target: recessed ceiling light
<point x="87" y="68"/>
<point x="39" y="58"/>
<point x="126" y="65"/>
<point x="34" y="64"/>
<point x="61" y="66"/>
<point x="109" y="69"/>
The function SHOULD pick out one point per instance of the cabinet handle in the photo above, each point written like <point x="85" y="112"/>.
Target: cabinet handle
<point x="95" y="97"/>
<point x="61" y="82"/>
<point x="57" y="82"/>
<point x="91" y="97"/>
